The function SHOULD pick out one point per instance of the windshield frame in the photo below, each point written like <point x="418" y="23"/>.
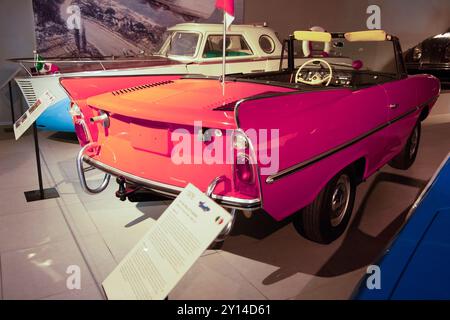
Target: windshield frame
<point x="163" y="51"/>
<point x="289" y="44"/>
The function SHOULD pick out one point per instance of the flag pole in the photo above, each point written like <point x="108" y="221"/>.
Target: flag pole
<point x="224" y="54"/>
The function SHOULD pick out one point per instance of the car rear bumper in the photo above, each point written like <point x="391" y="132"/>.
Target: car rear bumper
<point x="167" y="190"/>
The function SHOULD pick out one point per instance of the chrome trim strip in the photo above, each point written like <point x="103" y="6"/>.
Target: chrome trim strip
<point x="293" y="169"/>
<point x="255" y="163"/>
<point x="212" y="186"/>
<point x="170" y="190"/>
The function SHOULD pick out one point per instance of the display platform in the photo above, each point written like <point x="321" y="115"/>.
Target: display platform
<point x="261" y="259"/>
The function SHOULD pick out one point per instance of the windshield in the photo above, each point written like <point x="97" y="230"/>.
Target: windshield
<point x="374" y="56"/>
<point x="178" y="43"/>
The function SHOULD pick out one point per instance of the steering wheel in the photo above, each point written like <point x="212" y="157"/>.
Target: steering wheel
<point x="317" y="78"/>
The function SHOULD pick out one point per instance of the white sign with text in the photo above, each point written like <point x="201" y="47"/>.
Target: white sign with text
<point x="31" y="115"/>
<point x="169" y="249"/>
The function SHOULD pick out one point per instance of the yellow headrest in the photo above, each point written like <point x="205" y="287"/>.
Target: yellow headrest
<point x="370" y="35"/>
<point x="312" y="36"/>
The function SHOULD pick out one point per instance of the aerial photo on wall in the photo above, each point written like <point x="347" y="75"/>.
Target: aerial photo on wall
<point x="87" y="28"/>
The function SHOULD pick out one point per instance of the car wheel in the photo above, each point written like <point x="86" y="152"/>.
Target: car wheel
<point x="407" y="157"/>
<point x="327" y="217"/>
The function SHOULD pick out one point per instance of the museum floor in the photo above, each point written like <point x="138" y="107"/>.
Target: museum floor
<point x="261" y="260"/>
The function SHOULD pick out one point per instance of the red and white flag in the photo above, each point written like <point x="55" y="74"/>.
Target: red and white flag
<point x="228" y="7"/>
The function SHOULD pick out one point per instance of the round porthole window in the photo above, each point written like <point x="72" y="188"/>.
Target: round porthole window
<point x="267" y="44"/>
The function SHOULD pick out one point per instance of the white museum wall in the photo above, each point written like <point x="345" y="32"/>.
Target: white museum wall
<point x="16" y="40"/>
<point x="411" y="20"/>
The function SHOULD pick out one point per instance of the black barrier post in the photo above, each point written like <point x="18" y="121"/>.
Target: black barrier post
<point x="38" y="160"/>
<point x="11" y="103"/>
<point x="41" y="194"/>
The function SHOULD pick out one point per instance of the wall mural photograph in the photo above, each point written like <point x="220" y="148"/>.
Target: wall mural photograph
<point x="86" y="28"/>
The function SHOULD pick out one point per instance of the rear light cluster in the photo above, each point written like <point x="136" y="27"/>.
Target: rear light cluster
<point x="245" y="175"/>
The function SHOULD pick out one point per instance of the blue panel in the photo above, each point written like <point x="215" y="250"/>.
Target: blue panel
<point x="427" y="275"/>
<point x="415" y="266"/>
<point x="391" y="267"/>
<point x="57" y="117"/>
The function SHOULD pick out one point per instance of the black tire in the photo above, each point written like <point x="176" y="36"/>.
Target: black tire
<point x="405" y="159"/>
<point x="318" y="222"/>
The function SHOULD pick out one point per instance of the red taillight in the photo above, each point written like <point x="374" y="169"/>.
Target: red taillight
<point x="245" y="177"/>
<point x="244" y="169"/>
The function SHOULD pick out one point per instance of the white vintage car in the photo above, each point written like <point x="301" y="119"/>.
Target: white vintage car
<point x="188" y="49"/>
<point x="250" y="48"/>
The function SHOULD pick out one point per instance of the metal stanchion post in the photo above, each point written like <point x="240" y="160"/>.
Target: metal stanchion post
<point x="42" y="193"/>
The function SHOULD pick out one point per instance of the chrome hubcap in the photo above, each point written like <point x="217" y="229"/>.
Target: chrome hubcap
<point x="414" y="142"/>
<point x="340" y="200"/>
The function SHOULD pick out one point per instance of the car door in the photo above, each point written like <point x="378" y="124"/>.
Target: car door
<point x="403" y="99"/>
<point x="402" y="103"/>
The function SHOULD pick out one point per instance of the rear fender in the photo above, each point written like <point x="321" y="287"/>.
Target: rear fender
<point x="309" y="125"/>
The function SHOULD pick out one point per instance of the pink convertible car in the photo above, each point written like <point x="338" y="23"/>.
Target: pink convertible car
<point x="293" y="142"/>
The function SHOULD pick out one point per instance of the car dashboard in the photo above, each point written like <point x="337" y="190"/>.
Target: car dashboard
<point x="345" y="78"/>
<point x="339" y="78"/>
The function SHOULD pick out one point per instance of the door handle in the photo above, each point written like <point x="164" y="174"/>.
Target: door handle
<point x="394" y="106"/>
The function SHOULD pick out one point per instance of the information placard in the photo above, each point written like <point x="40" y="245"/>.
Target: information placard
<point x="169" y="249"/>
<point x="31" y="115"/>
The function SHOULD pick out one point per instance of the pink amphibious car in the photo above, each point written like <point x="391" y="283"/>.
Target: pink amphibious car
<point x="292" y="142"/>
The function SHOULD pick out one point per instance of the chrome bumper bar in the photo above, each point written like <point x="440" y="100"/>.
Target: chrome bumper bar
<point x="81" y="171"/>
<point x="157" y="187"/>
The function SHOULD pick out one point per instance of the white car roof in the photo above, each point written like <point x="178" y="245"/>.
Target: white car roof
<point x="205" y="27"/>
<point x="251" y="32"/>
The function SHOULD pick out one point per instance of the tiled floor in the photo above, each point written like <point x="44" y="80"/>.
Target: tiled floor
<point x="261" y="260"/>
